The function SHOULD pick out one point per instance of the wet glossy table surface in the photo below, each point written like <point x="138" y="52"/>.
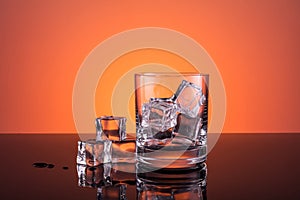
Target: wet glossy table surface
<point x="241" y="166"/>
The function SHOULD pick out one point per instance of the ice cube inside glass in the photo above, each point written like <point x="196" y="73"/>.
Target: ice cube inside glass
<point x="190" y="98"/>
<point x="159" y="114"/>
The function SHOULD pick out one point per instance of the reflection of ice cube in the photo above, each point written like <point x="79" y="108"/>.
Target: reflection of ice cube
<point x="89" y="176"/>
<point x="111" y="127"/>
<point x="112" y="192"/>
<point x="81" y="175"/>
<point x="160" y="115"/>
<point x="106" y="173"/>
<point x="189" y="96"/>
<point x="81" y="158"/>
<point x="98" y="152"/>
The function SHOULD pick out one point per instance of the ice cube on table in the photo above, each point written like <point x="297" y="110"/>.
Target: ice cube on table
<point x="190" y="97"/>
<point x="98" y="152"/>
<point x="111" y="127"/>
<point x="159" y="115"/>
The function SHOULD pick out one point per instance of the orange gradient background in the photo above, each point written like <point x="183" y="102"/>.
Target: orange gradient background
<point x="255" y="45"/>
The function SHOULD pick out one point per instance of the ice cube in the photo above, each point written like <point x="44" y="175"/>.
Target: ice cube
<point x="159" y="115"/>
<point x="111" y="127"/>
<point x="189" y="96"/>
<point x="98" y="152"/>
<point x="107" y="153"/>
<point x="189" y="127"/>
<point x="81" y="155"/>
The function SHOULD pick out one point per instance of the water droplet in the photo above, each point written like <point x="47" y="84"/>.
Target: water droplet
<point x="51" y="166"/>
<point x="40" y="165"/>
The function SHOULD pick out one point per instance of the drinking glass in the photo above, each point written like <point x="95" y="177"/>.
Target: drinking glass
<point x="171" y="119"/>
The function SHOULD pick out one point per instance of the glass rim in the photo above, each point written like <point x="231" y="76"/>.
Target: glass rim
<point x="153" y="74"/>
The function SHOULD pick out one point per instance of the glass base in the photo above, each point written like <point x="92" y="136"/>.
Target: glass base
<point x="171" y="158"/>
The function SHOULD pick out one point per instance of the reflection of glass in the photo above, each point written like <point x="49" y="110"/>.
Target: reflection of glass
<point x="165" y="185"/>
<point x="171" y="119"/>
<point x="117" y="192"/>
<point x="112" y="182"/>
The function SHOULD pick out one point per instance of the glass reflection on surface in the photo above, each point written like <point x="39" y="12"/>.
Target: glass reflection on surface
<point x="111" y="182"/>
<point x="161" y="184"/>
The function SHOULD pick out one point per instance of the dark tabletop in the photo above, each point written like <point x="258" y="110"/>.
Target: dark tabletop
<point x="240" y="166"/>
